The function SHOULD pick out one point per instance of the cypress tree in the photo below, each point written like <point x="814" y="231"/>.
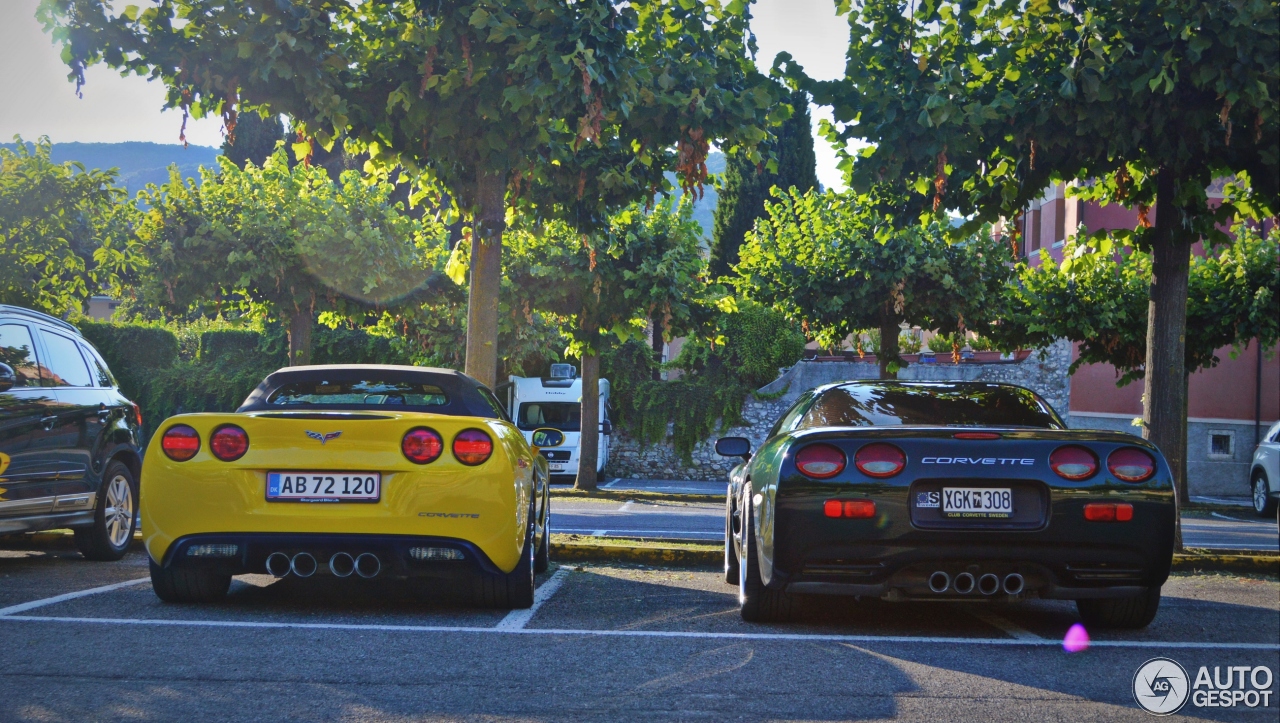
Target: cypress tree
<point x="255" y="139"/>
<point x="745" y="187"/>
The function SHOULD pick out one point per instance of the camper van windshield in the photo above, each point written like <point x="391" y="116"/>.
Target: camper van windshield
<point x="564" y="416"/>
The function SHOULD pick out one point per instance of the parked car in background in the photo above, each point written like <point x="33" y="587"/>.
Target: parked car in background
<point x="1264" y="473"/>
<point x="69" y="440"/>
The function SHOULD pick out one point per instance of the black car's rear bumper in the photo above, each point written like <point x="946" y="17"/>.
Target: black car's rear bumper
<point x="392" y="551"/>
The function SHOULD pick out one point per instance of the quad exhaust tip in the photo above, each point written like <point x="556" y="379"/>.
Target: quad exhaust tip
<point x="1013" y="583"/>
<point x="989" y="584"/>
<point x="939" y="581"/>
<point x="368" y="565"/>
<point x="278" y="564"/>
<point x="964" y="583"/>
<point x="303" y="564"/>
<point x="342" y="565"/>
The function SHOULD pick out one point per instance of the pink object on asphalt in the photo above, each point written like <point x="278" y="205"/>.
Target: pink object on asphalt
<point x="1076" y="640"/>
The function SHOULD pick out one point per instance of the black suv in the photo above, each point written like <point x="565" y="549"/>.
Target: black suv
<point x="69" y="453"/>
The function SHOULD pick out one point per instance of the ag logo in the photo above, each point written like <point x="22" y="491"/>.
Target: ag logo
<point x="1161" y="686"/>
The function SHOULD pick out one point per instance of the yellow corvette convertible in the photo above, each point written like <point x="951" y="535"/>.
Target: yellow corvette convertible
<point x="353" y="471"/>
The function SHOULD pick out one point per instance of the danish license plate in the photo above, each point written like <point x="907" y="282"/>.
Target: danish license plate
<point x="977" y="502"/>
<point x="324" y="486"/>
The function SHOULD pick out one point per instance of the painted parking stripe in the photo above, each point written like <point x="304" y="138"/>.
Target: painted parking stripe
<point x="13" y="609"/>
<point x="674" y="634"/>
<point x="517" y="619"/>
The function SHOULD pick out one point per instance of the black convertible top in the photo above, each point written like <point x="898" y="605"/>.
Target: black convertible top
<point x="462" y="395"/>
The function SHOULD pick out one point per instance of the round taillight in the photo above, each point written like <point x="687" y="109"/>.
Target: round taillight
<point x="180" y="443"/>
<point x="228" y="443"/>
<point x="820" y="461"/>
<point x="1131" y="464"/>
<point x="880" y="460"/>
<point x="1073" y="462"/>
<point x="472" y="447"/>
<point x="422" y="445"/>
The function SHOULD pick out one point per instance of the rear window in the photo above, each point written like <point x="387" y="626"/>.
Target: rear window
<point x="941" y="405"/>
<point x="564" y="416"/>
<point x="357" y="393"/>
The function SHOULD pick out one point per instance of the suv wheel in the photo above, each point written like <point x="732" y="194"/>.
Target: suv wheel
<point x="113" y="519"/>
<point x="1262" y="502"/>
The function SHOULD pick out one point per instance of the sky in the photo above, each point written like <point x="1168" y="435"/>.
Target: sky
<point x="36" y="99"/>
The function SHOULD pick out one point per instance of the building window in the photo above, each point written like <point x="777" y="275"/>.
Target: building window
<point x="1221" y="444"/>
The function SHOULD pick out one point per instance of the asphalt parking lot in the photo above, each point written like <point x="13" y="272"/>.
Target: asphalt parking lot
<point x="604" y="643"/>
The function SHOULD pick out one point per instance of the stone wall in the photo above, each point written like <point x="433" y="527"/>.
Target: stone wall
<point x="1043" y="371"/>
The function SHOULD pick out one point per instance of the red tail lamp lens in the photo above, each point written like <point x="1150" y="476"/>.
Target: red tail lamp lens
<point x="1108" y="512"/>
<point x="1131" y="464"/>
<point x="976" y="435"/>
<point x="229" y="443"/>
<point x="180" y="443"/>
<point x="880" y="460"/>
<point x="472" y="447"/>
<point x="857" y="509"/>
<point x="820" y="461"/>
<point x="1073" y="462"/>
<point x="422" y="445"/>
<point x="137" y="414"/>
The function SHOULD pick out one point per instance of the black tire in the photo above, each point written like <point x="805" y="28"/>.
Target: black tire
<point x="512" y="590"/>
<point x="759" y="603"/>
<point x="188" y="586"/>
<point x="1263" y="505"/>
<point x="542" y="560"/>
<point x="730" y="554"/>
<point x="1122" y="613"/>
<point x="114" y="517"/>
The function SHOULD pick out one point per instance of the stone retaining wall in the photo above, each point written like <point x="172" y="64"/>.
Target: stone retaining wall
<point x="1043" y="371"/>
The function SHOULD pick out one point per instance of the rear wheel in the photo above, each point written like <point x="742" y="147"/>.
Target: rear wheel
<point x="512" y="590"/>
<point x="188" y="586"/>
<point x="1125" y="613"/>
<point x="1262" y="502"/>
<point x="759" y="603"/>
<point x="113" y="519"/>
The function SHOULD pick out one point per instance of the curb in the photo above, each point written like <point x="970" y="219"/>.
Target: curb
<point x="637" y="495"/>
<point x="655" y="556"/>
<point x="1227" y="562"/>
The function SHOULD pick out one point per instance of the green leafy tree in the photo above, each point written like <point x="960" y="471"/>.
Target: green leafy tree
<point x="285" y="242"/>
<point x="978" y="106"/>
<point x="835" y="266"/>
<point x="62" y="238"/>
<point x="744" y="190"/>
<point x="487" y="99"/>
<point x="1098" y="296"/>
<point x="253" y="139"/>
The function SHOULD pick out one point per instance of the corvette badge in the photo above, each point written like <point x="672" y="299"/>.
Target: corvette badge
<point x="322" y="438"/>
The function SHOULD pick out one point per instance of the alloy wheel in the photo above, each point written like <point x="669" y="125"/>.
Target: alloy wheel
<point x="118" y="515"/>
<point x="1259" y="495"/>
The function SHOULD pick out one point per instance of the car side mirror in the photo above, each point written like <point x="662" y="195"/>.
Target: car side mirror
<point x="606" y="428"/>
<point x="734" y="447"/>
<point x="547" y="437"/>
<point x="7" y="377"/>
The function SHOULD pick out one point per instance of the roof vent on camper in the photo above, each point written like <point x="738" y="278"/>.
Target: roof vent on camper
<point x="563" y="371"/>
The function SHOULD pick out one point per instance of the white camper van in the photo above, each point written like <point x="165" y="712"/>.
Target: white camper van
<point x="556" y="401"/>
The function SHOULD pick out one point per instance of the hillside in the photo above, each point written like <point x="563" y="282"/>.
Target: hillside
<point x="138" y="163"/>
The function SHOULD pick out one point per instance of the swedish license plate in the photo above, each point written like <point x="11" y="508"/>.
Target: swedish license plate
<point x="324" y="486"/>
<point x="977" y="502"/>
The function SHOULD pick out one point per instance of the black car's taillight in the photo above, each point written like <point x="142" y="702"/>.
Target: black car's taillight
<point x="1073" y="462"/>
<point x="180" y="442"/>
<point x="820" y="461"/>
<point x="1131" y="464"/>
<point x="880" y="460"/>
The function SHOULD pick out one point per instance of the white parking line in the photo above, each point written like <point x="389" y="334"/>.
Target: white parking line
<point x="1008" y="626"/>
<point x="517" y="619"/>
<point x="674" y="634"/>
<point x="69" y="596"/>
<point x="626" y="506"/>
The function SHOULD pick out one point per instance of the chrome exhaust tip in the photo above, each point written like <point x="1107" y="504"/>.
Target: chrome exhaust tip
<point x="939" y="581"/>
<point x="368" y="565"/>
<point x="342" y="565"/>
<point x="988" y="584"/>
<point x="1013" y="583"/>
<point x="964" y="583"/>
<point x="278" y="565"/>
<point x="303" y="564"/>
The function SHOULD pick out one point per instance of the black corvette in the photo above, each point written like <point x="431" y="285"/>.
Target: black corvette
<point x="903" y="490"/>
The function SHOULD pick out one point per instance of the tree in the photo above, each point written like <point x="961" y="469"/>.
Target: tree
<point x="978" y="106"/>
<point x="486" y="99"/>
<point x="1098" y="296"/>
<point x="744" y="189"/>
<point x="285" y="242"/>
<point x="837" y="267"/>
<point x="252" y="139"/>
<point x="61" y="237"/>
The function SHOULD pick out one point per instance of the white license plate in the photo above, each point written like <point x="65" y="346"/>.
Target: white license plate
<point x="324" y="486"/>
<point x="557" y="467"/>
<point x="977" y="502"/>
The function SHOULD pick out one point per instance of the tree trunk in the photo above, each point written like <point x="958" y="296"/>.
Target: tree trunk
<point x="589" y="439"/>
<point x="888" y="352"/>
<point x="656" y="322"/>
<point x="300" y="339"/>
<point x="486" y="278"/>
<point x="1164" y="408"/>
